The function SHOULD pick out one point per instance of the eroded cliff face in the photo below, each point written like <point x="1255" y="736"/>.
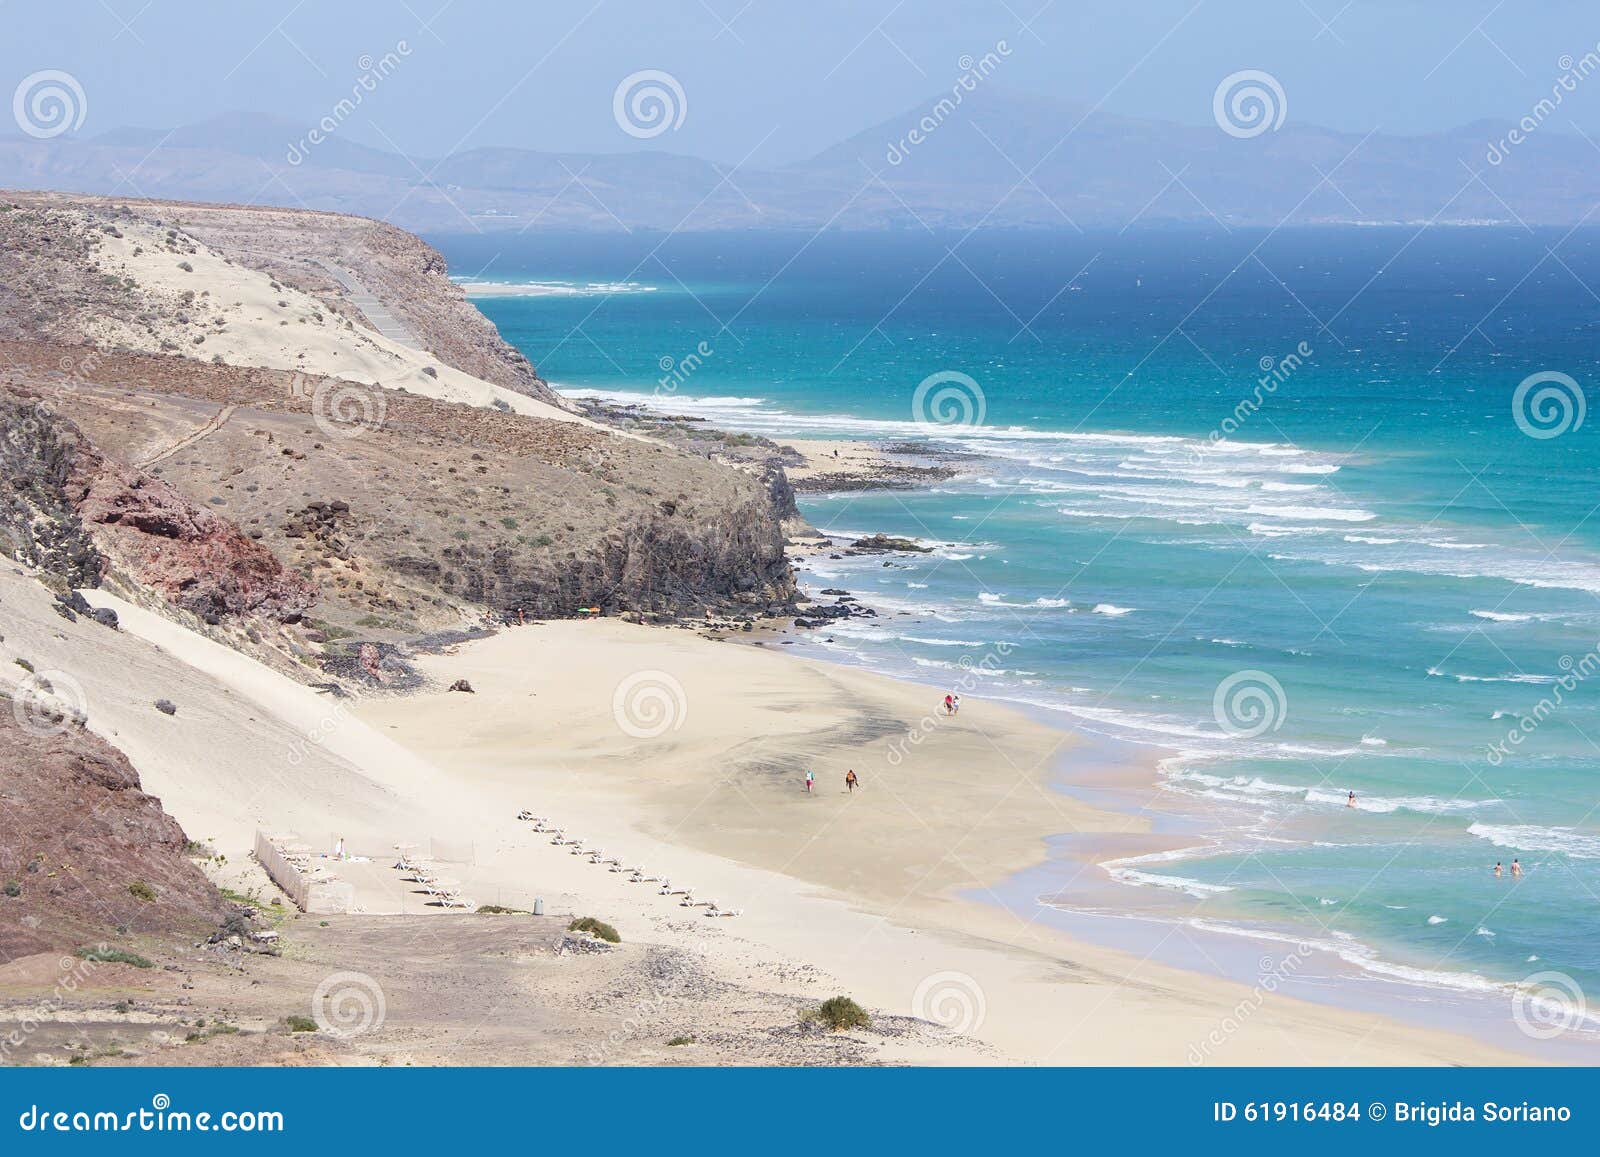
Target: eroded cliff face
<point x="86" y="857"/>
<point x="54" y="286"/>
<point x="80" y="516"/>
<point x="267" y="492"/>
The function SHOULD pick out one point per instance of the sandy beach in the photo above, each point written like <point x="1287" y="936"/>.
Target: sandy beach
<point x="685" y="755"/>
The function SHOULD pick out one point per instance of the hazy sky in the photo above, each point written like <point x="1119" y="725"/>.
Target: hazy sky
<point x="776" y="81"/>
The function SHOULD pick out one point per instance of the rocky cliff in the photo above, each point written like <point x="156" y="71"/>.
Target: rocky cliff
<point x="86" y="857"/>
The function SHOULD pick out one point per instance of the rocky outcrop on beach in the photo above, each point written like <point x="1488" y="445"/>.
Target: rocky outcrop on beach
<point x="86" y="857"/>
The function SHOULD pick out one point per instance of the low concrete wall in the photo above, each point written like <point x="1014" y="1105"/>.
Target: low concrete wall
<point x="316" y="897"/>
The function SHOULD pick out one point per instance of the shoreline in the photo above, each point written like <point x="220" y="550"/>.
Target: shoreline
<point x="748" y="825"/>
<point x="1150" y="921"/>
<point x="1145" y="907"/>
<point x="860" y="895"/>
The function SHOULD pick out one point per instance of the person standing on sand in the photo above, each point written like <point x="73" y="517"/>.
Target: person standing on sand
<point x="949" y="705"/>
<point x="810" y="779"/>
<point x="850" y="781"/>
<point x="955" y="705"/>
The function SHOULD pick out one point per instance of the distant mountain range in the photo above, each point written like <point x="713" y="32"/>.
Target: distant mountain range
<point x="999" y="159"/>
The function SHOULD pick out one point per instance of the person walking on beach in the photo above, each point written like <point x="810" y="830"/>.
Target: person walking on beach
<point x="1516" y="869"/>
<point x="1497" y="869"/>
<point x="955" y="705"/>
<point x="949" y="705"/>
<point x="810" y="780"/>
<point x="850" y="781"/>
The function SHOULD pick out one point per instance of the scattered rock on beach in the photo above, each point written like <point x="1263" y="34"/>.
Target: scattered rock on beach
<point x="462" y="685"/>
<point x="879" y="543"/>
<point x="166" y="707"/>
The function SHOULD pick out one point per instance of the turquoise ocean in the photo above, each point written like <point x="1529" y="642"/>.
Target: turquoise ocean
<point x="1283" y="511"/>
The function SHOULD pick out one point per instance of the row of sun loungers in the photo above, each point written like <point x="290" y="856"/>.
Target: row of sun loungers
<point x="636" y="874"/>
<point x="445" y="893"/>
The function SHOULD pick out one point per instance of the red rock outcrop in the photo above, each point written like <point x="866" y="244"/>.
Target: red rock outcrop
<point x="195" y="559"/>
<point x="86" y="856"/>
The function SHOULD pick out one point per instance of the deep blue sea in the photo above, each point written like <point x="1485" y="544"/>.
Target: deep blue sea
<point x="1273" y="505"/>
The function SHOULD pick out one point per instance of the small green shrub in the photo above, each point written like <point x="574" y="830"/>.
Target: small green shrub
<point x="680" y="1040"/>
<point x="103" y="955"/>
<point x="595" y="928"/>
<point x="12" y="888"/>
<point x="24" y="664"/>
<point x="300" y="1024"/>
<point x="837" y="1014"/>
<point x="139" y="890"/>
<point x="499" y="910"/>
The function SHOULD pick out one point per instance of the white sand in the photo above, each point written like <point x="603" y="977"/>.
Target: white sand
<point x="859" y="888"/>
<point x="253" y="333"/>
